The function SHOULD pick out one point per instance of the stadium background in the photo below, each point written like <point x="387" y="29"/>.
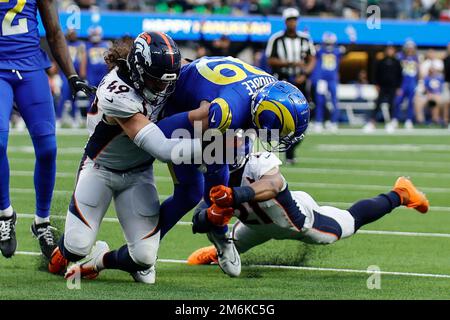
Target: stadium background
<point x="336" y="169"/>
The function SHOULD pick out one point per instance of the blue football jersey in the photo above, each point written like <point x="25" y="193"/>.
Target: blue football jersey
<point x="328" y="60"/>
<point x="227" y="83"/>
<point x="95" y="57"/>
<point x="19" y="36"/>
<point x="410" y="67"/>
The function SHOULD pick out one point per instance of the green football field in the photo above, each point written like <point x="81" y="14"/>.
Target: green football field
<point x="412" y="251"/>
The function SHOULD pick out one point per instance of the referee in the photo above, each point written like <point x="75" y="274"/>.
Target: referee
<point x="291" y="55"/>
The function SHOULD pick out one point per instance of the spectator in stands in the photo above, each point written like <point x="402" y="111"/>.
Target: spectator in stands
<point x="328" y="60"/>
<point x="388" y="79"/>
<point x="410" y="70"/>
<point x="291" y="55"/>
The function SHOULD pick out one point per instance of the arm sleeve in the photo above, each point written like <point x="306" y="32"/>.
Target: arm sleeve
<point x="152" y="140"/>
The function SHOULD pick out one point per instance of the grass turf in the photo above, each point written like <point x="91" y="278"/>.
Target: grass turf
<point x="338" y="170"/>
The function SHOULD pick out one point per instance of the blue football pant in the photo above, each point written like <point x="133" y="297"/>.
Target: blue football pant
<point x="321" y="100"/>
<point x="31" y="92"/>
<point x="408" y="92"/>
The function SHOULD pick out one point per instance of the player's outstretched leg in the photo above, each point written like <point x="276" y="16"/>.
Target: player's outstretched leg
<point x="404" y="193"/>
<point x="90" y="267"/>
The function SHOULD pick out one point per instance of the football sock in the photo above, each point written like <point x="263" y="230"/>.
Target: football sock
<point x="4" y="169"/>
<point x="8" y="212"/>
<point x="44" y="173"/>
<point x="40" y="220"/>
<point x="120" y="259"/>
<point x="369" y="210"/>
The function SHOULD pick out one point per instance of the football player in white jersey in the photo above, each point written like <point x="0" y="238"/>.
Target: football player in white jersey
<point x="267" y="210"/>
<point x="117" y="164"/>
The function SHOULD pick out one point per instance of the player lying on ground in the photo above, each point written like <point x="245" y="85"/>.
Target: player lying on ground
<point x="267" y="209"/>
<point x="117" y="164"/>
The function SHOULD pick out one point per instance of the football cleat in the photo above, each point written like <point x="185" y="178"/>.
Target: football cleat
<point x="410" y="196"/>
<point x="57" y="264"/>
<point x="146" y="276"/>
<point x="90" y="267"/>
<point x="43" y="232"/>
<point x="227" y="254"/>
<point x="8" y="241"/>
<point x="206" y="255"/>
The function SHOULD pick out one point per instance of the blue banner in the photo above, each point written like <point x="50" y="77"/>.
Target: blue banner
<point x="256" y="28"/>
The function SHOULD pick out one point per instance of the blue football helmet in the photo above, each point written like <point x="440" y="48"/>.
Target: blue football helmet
<point x="282" y="110"/>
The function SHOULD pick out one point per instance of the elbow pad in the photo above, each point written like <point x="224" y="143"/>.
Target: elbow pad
<point x="152" y="140"/>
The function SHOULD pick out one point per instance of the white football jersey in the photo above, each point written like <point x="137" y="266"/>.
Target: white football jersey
<point x="108" y="145"/>
<point x="266" y="212"/>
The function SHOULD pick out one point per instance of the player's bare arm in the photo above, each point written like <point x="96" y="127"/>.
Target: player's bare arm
<point x="267" y="188"/>
<point x="58" y="46"/>
<point x="55" y="36"/>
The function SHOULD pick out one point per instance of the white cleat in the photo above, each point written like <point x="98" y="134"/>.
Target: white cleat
<point x="332" y="127"/>
<point x="90" y="267"/>
<point x="409" y="125"/>
<point x="146" y="276"/>
<point x="227" y="254"/>
<point x="318" y="127"/>
<point x="369" y="128"/>
<point x="392" y="126"/>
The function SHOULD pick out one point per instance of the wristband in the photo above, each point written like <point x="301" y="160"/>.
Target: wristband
<point x="243" y="194"/>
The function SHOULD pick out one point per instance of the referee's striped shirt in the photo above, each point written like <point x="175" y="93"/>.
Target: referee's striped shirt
<point x="291" y="49"/>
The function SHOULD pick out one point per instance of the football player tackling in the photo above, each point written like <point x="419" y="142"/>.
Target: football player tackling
<point x="117" y="164"/>
<point x="267" y="209"/>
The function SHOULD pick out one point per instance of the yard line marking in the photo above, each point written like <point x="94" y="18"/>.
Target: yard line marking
<point x="305" y="185"/>
<point x="366" y="172"/>
<point x="30" y="149"/>
<point x="377" y="173"/>
<point x="378" y="162"/>
<point x="348" y="204"/>
<point x="32" y="191"/>
<point x="382" y="147"/>
<point x="375" y="232"/>
<point x="390" y="273"/>
<point x="341" y="132"/>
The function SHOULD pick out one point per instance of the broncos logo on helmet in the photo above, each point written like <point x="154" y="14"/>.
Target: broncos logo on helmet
<point x="282" y="110"/>
<point x="154" y="63"/>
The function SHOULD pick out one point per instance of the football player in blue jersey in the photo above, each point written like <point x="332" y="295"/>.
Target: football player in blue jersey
<point x="228" y="94"/>
<point x="77" y="50"/>
<point x="95" y="50"/>
<point x="410" y="67"/>
<point x="23" y="80"/>
<point x="328" y="59"/>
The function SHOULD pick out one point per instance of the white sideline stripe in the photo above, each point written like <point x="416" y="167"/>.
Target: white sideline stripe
<point x="63" y="174"/>
<point x="306" y="185"/>
<point x="382" y="147"/>
<point x="367" y="172"/>
<point x="390" y="273"/>
<point x="375" y="232"/>
<point x="380" y="162"/>
<point x="341" y="132"/>
<point x="30" y="149"/>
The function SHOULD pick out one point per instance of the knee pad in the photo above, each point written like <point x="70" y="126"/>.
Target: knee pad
<point x="42" y="128"/>
<point x="77" y="242"/>
<point x="144" y="252"/>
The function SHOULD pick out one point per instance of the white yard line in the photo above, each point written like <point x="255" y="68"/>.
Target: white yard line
<point x="330" y="171"/>
<point x="374" y="232"/>
<point x="381" y="147"/>
<point x="390" y="273"/>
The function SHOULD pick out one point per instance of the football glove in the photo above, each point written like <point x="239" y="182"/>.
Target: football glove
<point x="76" y="85"/>
<point x="219" y="216"/>
<point x="222" y="196"/>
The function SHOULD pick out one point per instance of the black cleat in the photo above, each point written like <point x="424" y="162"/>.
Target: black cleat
<point x="43" y="232"/>
<point x="8" y="241"/>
